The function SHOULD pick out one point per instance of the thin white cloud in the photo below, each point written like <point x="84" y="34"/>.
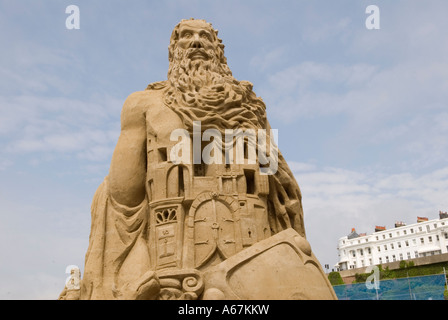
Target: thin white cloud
<point x="265" y="60"/>
<point x="401" y="107"/>
<point x="326" y="31"/>
<point x="42" y="125"/>
<point x="301" y="166"/>
<point x="305" y="90"/>
<point x="5" y="163"/>
<point x="389" y="87"/>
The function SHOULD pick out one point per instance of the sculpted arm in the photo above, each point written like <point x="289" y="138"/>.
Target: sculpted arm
<point x="128" y="167"/>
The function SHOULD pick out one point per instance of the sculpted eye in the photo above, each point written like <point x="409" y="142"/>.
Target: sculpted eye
<point x="187" y="35"/>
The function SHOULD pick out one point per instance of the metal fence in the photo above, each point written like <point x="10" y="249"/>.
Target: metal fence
<point x="412" y="288"/>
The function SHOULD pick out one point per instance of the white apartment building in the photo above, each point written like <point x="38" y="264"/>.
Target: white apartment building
<point x="404" y="242"/>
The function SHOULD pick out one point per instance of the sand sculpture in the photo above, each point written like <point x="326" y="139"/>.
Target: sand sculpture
<point x="198" y="203"/>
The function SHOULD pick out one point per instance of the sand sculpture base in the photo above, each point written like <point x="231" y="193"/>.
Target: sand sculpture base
<point x="281" y="267"/>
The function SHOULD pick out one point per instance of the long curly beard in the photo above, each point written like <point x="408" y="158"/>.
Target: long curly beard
<point x="206" y="91"/>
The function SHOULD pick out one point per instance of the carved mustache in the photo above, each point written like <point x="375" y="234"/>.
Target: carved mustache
<point x="194" y="51"/>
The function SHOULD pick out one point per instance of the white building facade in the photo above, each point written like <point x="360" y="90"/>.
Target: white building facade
<point x="404" y="242"/>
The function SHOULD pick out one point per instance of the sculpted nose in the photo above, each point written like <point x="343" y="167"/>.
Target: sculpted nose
<point x="196" y="42"/>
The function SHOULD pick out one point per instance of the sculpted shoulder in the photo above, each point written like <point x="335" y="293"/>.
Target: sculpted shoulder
<point x="137" y="105"/>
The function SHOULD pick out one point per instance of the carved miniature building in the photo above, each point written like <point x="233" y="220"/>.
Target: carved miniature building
<point x="192" y="226"/>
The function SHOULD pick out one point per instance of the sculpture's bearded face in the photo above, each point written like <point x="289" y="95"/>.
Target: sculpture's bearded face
<point x="201" y="86"/>
<point x="196" y="40"/>
<point x="196" y="56"/>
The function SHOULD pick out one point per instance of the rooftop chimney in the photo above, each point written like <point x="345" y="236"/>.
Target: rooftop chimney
<point x="399" y="224"/>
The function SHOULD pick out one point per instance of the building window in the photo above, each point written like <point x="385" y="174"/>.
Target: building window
<point x="412" y="230"/>
<point x="162" y="155"/>
<point x="385" y="247"/>
<point x="151" y="190"/>
<point x="390" y="235"/>
<point x="379" y="249"/>
<point x="437" y="237"/>
<point x="416" y="254"/>
<point x="384" y="236"/>
<point x="404" y="231"/>
<point x="369" y="251"/>
<point x="393" y="258"/>
<point x="407" y="243"/>
<point x="381" y="260"/>
<point x="399" y="244"/>
<point x="430" y="239"/>
<point x="409" y="255"/>
<point x="250" y="181"/>
<point x="414" y="241"/>
<point x="401" y="256"/>
<point x="420" y="229"/>
<point x="392" y="246"/>
<point x="427" y="228"/>
<point x="422" y="241"/>
<point x="387" y="259"/>
<point x="199" y="169"/>
<point x="435" y="225"/>
<point x="376" y="237"/>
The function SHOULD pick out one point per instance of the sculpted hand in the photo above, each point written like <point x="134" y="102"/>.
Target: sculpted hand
<point x="145" y="288"/>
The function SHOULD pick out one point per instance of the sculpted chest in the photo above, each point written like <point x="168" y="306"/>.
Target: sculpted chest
<point x="200" y="214"/>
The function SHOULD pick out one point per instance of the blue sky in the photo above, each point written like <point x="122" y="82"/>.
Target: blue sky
<point x="362" y="115"/>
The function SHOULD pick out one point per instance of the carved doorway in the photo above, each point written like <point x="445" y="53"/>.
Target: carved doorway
<point x="215" y="228"/>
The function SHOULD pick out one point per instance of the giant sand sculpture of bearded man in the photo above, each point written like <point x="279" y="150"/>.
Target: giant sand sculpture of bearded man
<point x="168" y="222"/>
